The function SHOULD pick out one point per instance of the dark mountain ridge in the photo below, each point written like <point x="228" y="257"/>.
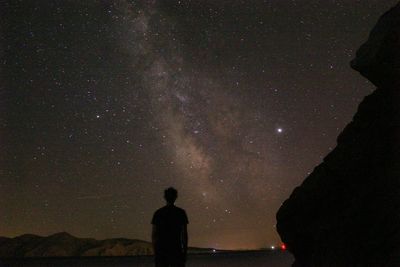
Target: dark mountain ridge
<point x="65" y="245"/>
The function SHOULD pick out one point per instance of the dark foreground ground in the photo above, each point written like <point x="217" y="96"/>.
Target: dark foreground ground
<point x="253" y="259"/>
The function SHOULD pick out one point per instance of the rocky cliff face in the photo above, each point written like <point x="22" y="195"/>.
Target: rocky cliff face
<point x="66" y="245"/>
<point x="347" y="212"/>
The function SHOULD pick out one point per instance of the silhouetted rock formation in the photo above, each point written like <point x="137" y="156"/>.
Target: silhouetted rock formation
<point x="66" y="245"/>
<point x="347" y="212"/>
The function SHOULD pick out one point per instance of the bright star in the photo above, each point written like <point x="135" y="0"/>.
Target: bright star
<point x="279" y="130"/>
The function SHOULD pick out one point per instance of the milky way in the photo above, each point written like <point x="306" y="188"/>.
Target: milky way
<point x="200" y="125"/>
<point x="106" y="103"/>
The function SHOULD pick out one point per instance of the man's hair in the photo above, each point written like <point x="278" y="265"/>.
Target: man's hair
<point x="170" y="195"/>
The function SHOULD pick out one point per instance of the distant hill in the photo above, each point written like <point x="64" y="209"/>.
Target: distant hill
<point x="65" y="245"/>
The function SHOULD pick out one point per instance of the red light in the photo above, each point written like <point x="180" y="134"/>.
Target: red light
<point x="283" y="247"/>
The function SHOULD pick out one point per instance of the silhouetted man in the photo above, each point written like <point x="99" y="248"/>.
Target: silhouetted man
<point x="169" y="235"/>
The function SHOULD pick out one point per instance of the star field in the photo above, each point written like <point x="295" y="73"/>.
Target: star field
<point x="105" y="103"/>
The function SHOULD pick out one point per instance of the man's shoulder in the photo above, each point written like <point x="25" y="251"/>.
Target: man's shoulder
<point x="169" y="209"/>
<point x="180" y="210"/>
<point x="182" y="215"/>
<point x="159" y="212"/>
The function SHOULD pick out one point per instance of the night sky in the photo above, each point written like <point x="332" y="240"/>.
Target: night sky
<point x="104" y="104"/>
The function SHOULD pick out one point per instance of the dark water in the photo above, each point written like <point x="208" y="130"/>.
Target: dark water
<point x="239" y="259"/>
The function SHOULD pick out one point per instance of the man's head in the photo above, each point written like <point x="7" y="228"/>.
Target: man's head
<point x="170" y="195"/>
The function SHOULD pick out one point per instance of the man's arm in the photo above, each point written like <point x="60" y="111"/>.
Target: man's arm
<point x="184" y="239"/>
<point x="154" y="237"/>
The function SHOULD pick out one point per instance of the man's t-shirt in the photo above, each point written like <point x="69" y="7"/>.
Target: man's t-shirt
<point x="169" y="221"/>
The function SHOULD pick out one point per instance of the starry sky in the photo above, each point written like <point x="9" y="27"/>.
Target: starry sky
<point x="104" y="104"/>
